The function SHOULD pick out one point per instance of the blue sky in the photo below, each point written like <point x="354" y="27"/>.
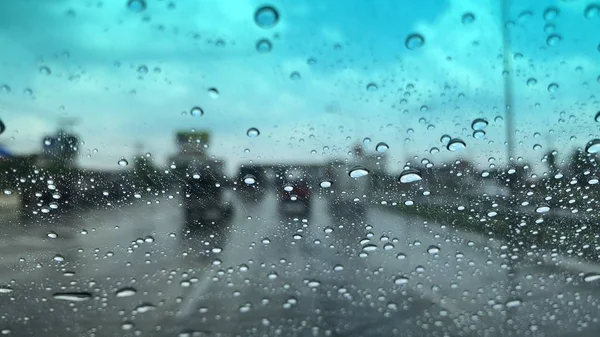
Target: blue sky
<point x="94" y="50"/>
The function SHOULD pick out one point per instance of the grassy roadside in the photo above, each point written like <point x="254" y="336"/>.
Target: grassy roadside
<point x="575" y="236"/>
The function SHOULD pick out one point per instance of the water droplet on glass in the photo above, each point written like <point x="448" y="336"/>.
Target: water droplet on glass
<point x="73" y="296"/>
<point x="358" y="171"/>
<point x="126" y="292"/>
<point x="401" y="280"/>
<point x="197" y="111"/>
<point x="593" y="146"/>
<point x="263" y="46"/>
<point x="381" y="147"/>
<point x="142" y="70"/>
<point x="5" y="289"/>
<point x="295" y="76"/>
<point x="468" y="18"/>
<point x="372" y="87"/>
<point x="58" y="258"/>
<point x="338" y="267"/>
<point x="213" y="93"/>
<point x="592" y="11"/>
<point x="479" y="124"/>
<point x="596" y="118"/>
<point x="513" y="303"/>
<point x="249" y="179"/>
<point x="542" y="209"/>
<point x="2" y="127"/>
<point x="531" y="82"/>
<point x="550" y="13"/>
<point x="253" y="133"/>
<point x="44" y="70"/>
<point x="591" y="277"/>
<point x="136" y="5"/>
<point x="434" y="150"/>
<point x="414" y="41"/>
<point x="553" y="40"/>
<point x="433" y="249"/>
<point x="326" y="184"/>
<point x="123" y="162"/>
<point x="369" y="248"/>
<point x="401" y="256"/>
<point x="445" y="139"/>
<point x="127" y="325"/>
<point x="410" y="176"/>
<point x="266" y="17"/>
<point x="456" y="144"/>
<point x="552" y="87"/>
<point x="367" y="140"/>
<point x="145" y="307"/>
<point x="478" y="134"/>
<point x="313" y="283"/>
<point x="52" y="235"/>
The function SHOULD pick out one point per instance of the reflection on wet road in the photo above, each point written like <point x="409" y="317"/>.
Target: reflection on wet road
<point x="331" y="273"/>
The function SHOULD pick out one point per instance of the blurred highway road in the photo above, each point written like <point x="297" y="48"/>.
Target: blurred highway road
<point x="140" y="270"/>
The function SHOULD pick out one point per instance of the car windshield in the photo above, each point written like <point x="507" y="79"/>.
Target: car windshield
<point x="299" y="168"/>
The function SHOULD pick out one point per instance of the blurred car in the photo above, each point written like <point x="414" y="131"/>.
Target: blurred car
<point x="204" y="198"/>
<point x="251" y="183"/>
<point x="294" y="196"/>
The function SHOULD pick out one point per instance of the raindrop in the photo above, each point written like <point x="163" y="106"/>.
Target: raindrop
<point x="142" y="70"/>
<point x="479" y="124"/>
<point x="434" y="150"/>
<point x="537" y="147"/>
<point x="313" y="283"/>
<point x="553" y="40"/>
<point x="372" y="87"/>
<point x="445" y="139"/>
<point x="58" y="258"/>
<point x="596" y="118"/>
<point x="264" y="46"/>
<point x="381" y="147"/>
<point x="591" y="277"/>
<point x="52" y="235"/>
<point x="468" y="18"/>
<point x="593" y="146"/>
<point x="367" y="140"/>
<point x="149" y="239"/>
<point x="513" y="303"/>
<point x="531" y="82"/>
<point x="401" y="256"/>
<point x="253" y="133"/>
<point x="410" y="176"/>
<point x="433" y="249"/>
<point x="127" y="325"/>
<point x="123" y="162"/>
<point x="213" y="93"/>
<point x="45" y="70"/>
<point x="197" y="111"/>
<point x="414" y="41"/>
<point x="145" y="307"/>
<point x="370" y="248"/>
<point x="358" y="171"/>
<point x="5" y="290"/>
<point x="456" y="144"/>
<point x="550" y="13"/>
<point x="73" y="296"/>
<point x="126" y="292"/>
<point x="401" y="280"/>
<point x="2" y="127"/>
<point x="552" y="87"/>
<point x="266" y="17"/>
<point x="478" y="134"/>
<point x="136" y="5"/>
<point x="326" y="184"/>
<point x="592" y="11"/>
<point x="294" y="76"/>
<point x="249" y="179"/>
<point x="542" y="209"/>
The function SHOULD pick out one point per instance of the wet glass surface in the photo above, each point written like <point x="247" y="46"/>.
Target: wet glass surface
<point x="299" y="168"/>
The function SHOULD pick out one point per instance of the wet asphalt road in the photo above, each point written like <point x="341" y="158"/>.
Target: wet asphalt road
<point x="267" y="274"/>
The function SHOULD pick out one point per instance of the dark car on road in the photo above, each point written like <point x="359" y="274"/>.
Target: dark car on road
<point x="204" y="197"/>
<point x="294" y="194"/>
